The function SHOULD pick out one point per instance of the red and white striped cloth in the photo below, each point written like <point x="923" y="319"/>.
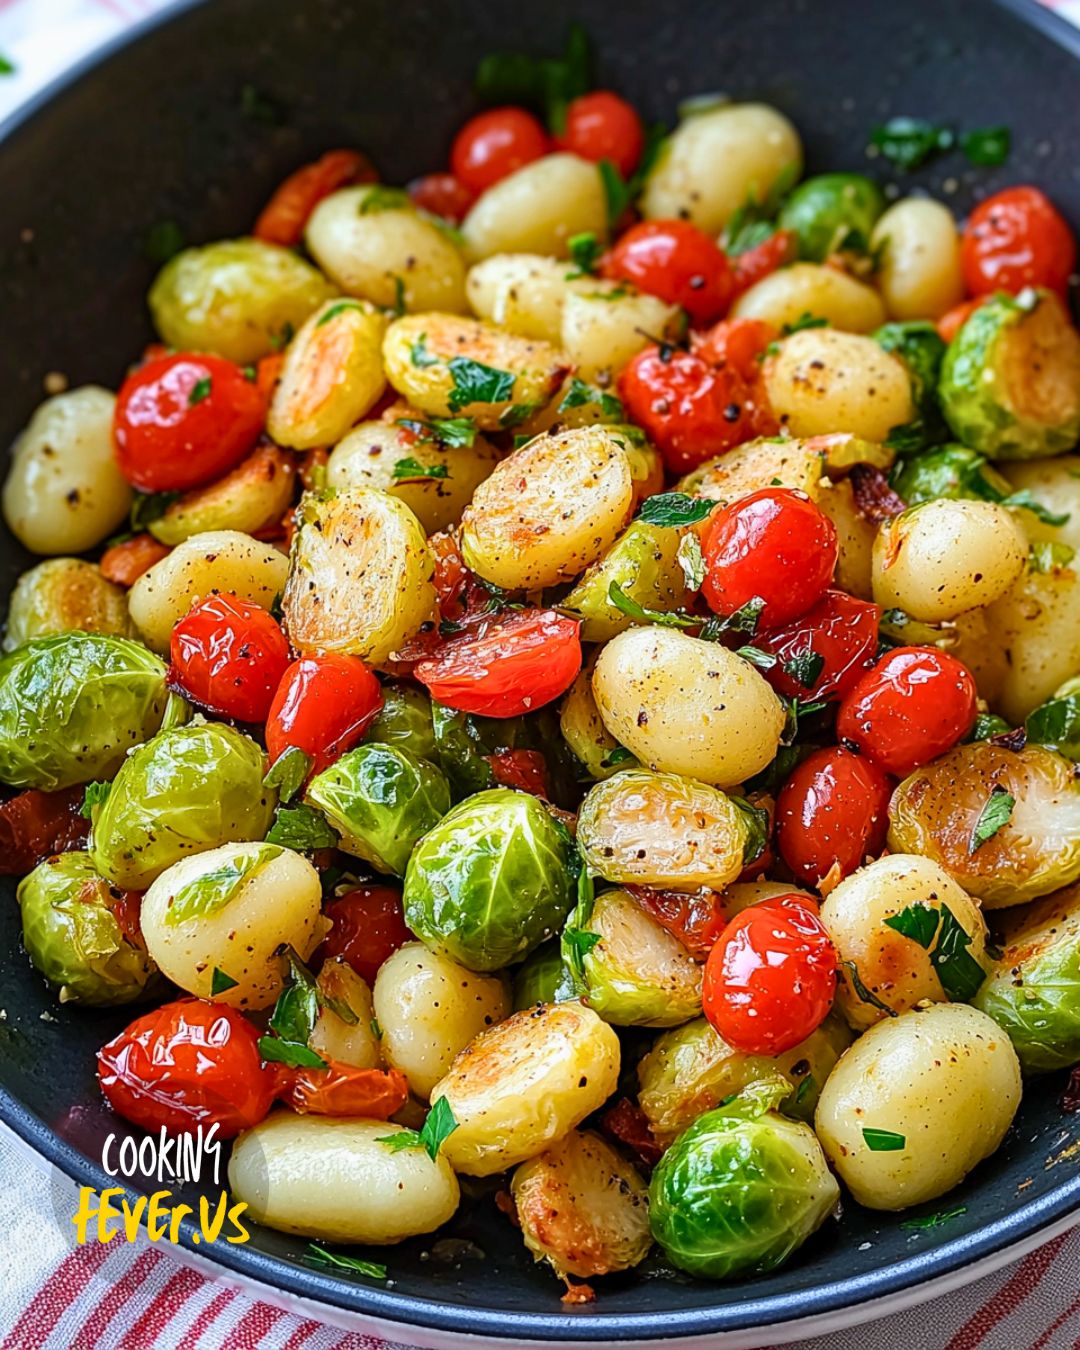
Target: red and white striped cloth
<point x="54" y="1296"/>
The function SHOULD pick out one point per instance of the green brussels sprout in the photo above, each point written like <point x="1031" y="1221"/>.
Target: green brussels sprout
<point x="692" y="1069"/>
<point x="1010" y="381"/>
<point x="1005" y="824"/>
<point x="381" y="800"/>
<point x="542" y="978"/>
<point x="833" y="212"/>
<point x="1033" y="992"/>
<point x="64" y="595"/>
<point x="188" y="790"/>
<point x="71" y="706"/>
<point x="742" y="1188"/>
<point x="238" y="298"/>
<point x="464" y="744"/>
<point x="948" y="471"/>
<point x="72" y="935"/>
<point x="644" y="562"/>
<point x="1056" y="722"/>
<point x="405" y="720"/>
<point x="460" y="752"/>
<point x="919" y="345"/>
<point x="491" y="881"/>
<point x="629" y="969"/>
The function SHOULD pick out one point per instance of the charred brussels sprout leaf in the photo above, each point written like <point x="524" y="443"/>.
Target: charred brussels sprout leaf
<point x="491" y="881"/>
<point x="741" y="1189"/>
<point x="73" y="705"/>
<point x="381" y="800"/>
<point x="74" y="939"/>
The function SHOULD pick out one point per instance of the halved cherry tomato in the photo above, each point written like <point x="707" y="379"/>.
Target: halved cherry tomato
<point x="676" y="261"/>
<point x="323" y="705"/>
<point x="511" y="665"/>
<point x="824" y="653"/>
<point x="950" y="324"/>
<point x="601" y="125"/>
<point x="442" y="195"/>
<point x="495" y="143"/>
<point x="1014" y="239"/>
<point x="773" y="544"/>
<point x="771" y="979"/>
<point x="35" y="825"/>
<point x="185" y="420"/>
<point x="831" y="813"/>
<point x="696" y="920"/>
<point x="229" y="656"/>
<point x="690" y="408"/>
<point x="368" y="926"/>
<point x="126" y="907"/>
<point x="628" y="1125"/>
<point x="451" y="575"/>
<point x="186" y="1064"/>
<point x="763" y="259"/>
<point x="525" y="770"/>
<point x="125" y="563"/>
<point x="284" y="216"/>
<point x="739" y="345"/>
<point x="343" y="1090"/>
<point x="915" y="704"/>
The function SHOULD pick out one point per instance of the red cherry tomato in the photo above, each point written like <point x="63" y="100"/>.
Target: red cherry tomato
<point x="770" y="980"/>
<point x="696" y="920"/>
<point x="185" y="420"/>
<point x="950" y="324"/>
<point x="629" y="1126"/>
<point x="833" y="811"/>
<point x="774" y="544"/>
<point x="512" y="665"/>
<point x="343" y="1090"/>
<point x="322" y="705"/>
<point x="830" y="647"/>
<point x="1014" y="239"/>
<point x="284" y="216"/>
<point x="525" y="770"/>
<point x="602" y="125"/>
<point x="35" y="825"/>
<point x="368" y="926"/>
<point x="442" y="195"/>
<point x="125" y="563"/>
<point x="915" y="704"/>
<point x="763" y="259"/>
<point x="493" y="144"/>
<point x="691" y="409"/>
<point x="229" y="655"/>
<point x="677" y="262"/>
<point x="186" y="1064"/>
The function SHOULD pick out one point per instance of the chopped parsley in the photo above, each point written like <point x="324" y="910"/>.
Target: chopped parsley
<point x="450" y="431"/>
<point x="474" y="382"/>
<point x="585" y="250"/>
<point x="675" y="509"/>
<point x="199" y="390"/>
<point x="933" y="1220"/>
<point x="996" y="813"/>
<point x="439" y="1125"/>
<point x="419" y="354"/>
<point x="302" y="828"/>
<point x="350" y="1265"/>
<point x="410" y="470"/>
<point x="288" y="772"/>
<point x="864" y="994"/>
<point x="220" y="983"/>
<point x="987" y="147"/>
<point x="547" y="85"/>
<point x="94" y="794"/>
<point x="619" y="755"/>
<point x="805" y="320"/>
<point x="579" y="394"/>
<point x="380" y="198"/>
<point x="804" y="667"/>
<point x="883" y="1141"/>
<point x="146" y="507"/>
<point x="908" y="142"/>
<point x="338" y="307"/>
<point x="939" y="932"/>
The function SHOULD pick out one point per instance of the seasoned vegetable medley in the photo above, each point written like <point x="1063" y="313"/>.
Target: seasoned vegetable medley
<point x="569" y="670"/>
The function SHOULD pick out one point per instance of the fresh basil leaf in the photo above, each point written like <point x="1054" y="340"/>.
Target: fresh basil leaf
<point x="864" y="994"/>
<point x="292" y="1053"/>
<point x="745" y="619"/>
<point x="987" y="147"/>
<point x="319" y="1256"/>
<point x="206" y="894"/>
<point x="288" y="773"/>
<point x="295" y="1012"/>
<point x="585" y="250"/>
<point x="410" y="470"/>
<point x="400" y="1140"/>
<point x="633" y="610"/>
<point x="675" y="509"/>
<point x="918" y="922"/>
<point x="908" y="142"/>
<point x="439" y="1125"/>
<point x="474" y="382"/>
<point x="754" y="221"/>
<point x="146" y="507"/>
<point x="960" y="974"/>
<point x="691" y="560"/>
<point x="450" y="431"/>
<point x="94" y="794"/>
<point x="883" y="1141"/>
<point x="303" y="977"/>
<point x="338" y="307"/>
<point x="1056" y="723"/>
<point x="996" y="812"/>
<point x="804" y="667"/>
<point x="302" y="828"/>
<point x="220" y="983"/>
<point x="579" y="394"/>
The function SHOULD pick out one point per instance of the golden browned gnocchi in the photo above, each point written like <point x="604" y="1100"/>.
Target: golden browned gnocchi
<point x="786" y="296"/>
<point x="919" y="276"/>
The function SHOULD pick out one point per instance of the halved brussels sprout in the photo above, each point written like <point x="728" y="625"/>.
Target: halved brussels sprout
<point x="542" y="978"/>
<point x="582" y="1207"/>
<point x="1056" y="722"/>
<point x="659" y="829"/>
<point x="584" y="732"/>
<point x="404" y="720"/>
<point x="1004" y="824"/>
<point x="644" y="562"/>
<point x="833" y="213"/>
<point x="73" y="936"/>
<point x="742" y="1188"/>
<point x="692" y="1069"/>
<point x="381" y="800"/>
<point x="1010" y="382"/>
<point x="64" y="595"/>
<point x="948" y="471"/>
<point x="254" y="494"/>
<point x="771" y="460"/>
<point x="1033" y="992"/>
<point x="919" y="345"/>
<point x="491" y="880"/>
<point x="73" y="705"/>
<point x="637" y="974"/>
<point x="188" y="790"/>
<point x="236" y="298"/>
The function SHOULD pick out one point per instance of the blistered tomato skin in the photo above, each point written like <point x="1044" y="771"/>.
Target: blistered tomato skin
<point x="676" y="261"/>
<point x="915" y="704"/>
<point x="832" y="812"/>
<point x="1014" y="239"/>
<point x="442" y="195"/>
<point x="185" y="420"/>
<point x="771" y="978"/>
<point x="832" y="645"/>
<point x="283" y="218"/>
<point x="368" y="926"/>
<point x="322" y="705"/>
<point x="494" y="144"/>
<point x="773" y="544"/>
<point x="187" y="1064"/>
<point x="229" y="656"/>
<point x="601" y="125"/>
